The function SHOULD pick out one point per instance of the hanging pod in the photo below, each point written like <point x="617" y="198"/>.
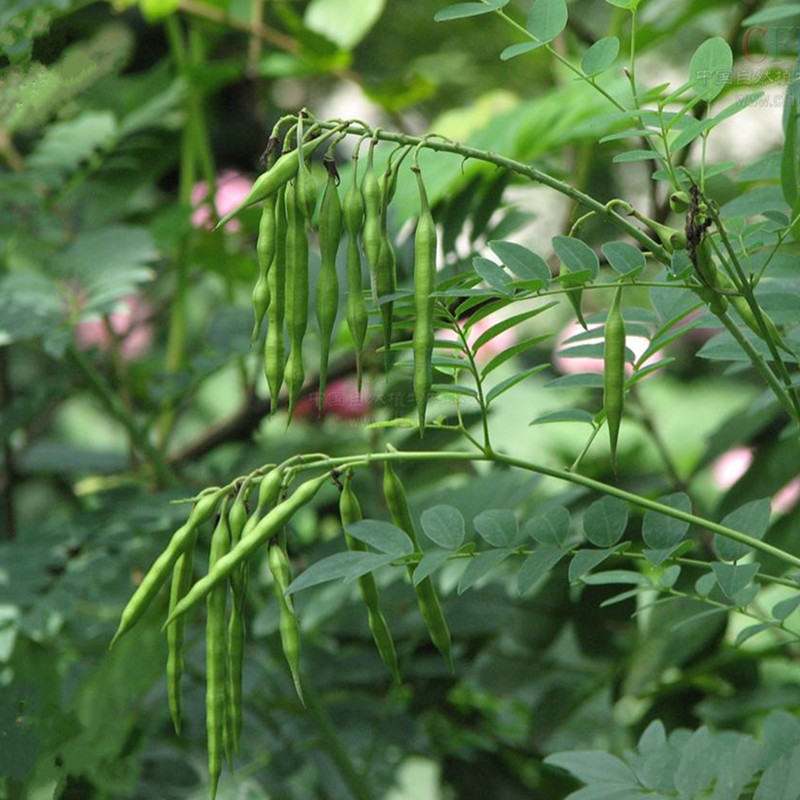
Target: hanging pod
<point x="327" y="299"/>
<point x="288" y="626"/>
<point x="297" y="295"/>
<point x="427" y="598"/>
<point x="350" y="512"/>
<point x="371" y="234"/>
<point x="614" y="373"/>
<point x="265" y="249"/>
<point x="180" y="542"/>
<point x="267" y="527"/>
<point x="274" y="345"/>
<point x="357" y="317"/>
<point x="216" y="657"/>
<point x="424" y="284"/>
<point x="282" y="171"/>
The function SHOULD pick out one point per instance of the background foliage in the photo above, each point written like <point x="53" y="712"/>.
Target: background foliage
<point x="127" y="381"/>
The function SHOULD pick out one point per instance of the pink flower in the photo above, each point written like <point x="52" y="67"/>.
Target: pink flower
<point x="568" y="365"/>
<point x="489" y="349"/>
<point x="786" y="498"/>
<point x="342" y="400"/>
<point x="731" y="466"/>
<point x="232" y="188"/>
<point x="130" y="322"/>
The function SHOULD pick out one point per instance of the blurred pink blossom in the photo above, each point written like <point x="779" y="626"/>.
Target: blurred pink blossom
<point x="232" y="188"/>
<point x="491" y="348"/>
<point x="130" y="322"/>
<point x="569" y="366"/>
<point x="731" y="466"/>
<point x="342" y="400"/>
<point x="786" y="498"/>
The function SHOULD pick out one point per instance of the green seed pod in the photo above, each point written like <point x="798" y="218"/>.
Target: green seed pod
<point x="385" y="285"/>
<point x="357" y="317"/>
<point x="306" y="188"/>
<point x="614" y="373"/>
<point x="236" y="639"/>
<point x="282" y="171"/>
<point x="274" y="345"/>
<point x="265" y="248"/>
<point x="330" y="236"/>
<point x="266" y="528"/>
<point x="237" y="520"/>
<point x="181" y="540"/>
<point x="182" y="574"/>
<point x="289" y="629"/>
<point x="679" y="202"/>
<point x="350" y="512"/>
<point x="297" y="300"/>
<point x="709" y="277"/>
<point x="424" y="284"/>
<point x="722" y="289"/>
<point x="427" y="598"/>
<point x="371" y="236"/>
<point x="216" y="657"/>
<point x="672" y="238"/>
<point x="237" y="517"/>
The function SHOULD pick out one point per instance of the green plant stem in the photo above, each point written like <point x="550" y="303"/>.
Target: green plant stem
<point x="333" y="746"/>
<point x="116" y="408"/>
<point x="759" y="362"/>
<point x="561" y="475"/>
<point x="526" y="170"/>
<point x="195" y="150"/>
<point x="473" y="368"/>
<point x="737" y="275"/>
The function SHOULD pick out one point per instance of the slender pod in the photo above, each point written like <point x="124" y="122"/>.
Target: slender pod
<point x="357" y="317"/>
<point x="385" y="284"/>
<point x="236" y="639"/>
<point x="371" y="235"/>
<point x="289" y="629"/>
<point x="427" y="598"/>
<point x="297" y="297"/>
<point x="181" y="540"/>
<point x="327" y="299"/>
<point x="614" y="373"/>
<point x="265" y="249"/>
<point x="266" y="528"/>
<point x="182" y="574"/>
<point x="274" y="345"/>
<point x="306" y="188"/>
<point x="350" y="512"/>
<point x="283" y="170"/>
<point x="216" y="657"/>
<point x="424" y="284"/>
<point x="237" y="520"/>
<point x="269" y="490"/>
